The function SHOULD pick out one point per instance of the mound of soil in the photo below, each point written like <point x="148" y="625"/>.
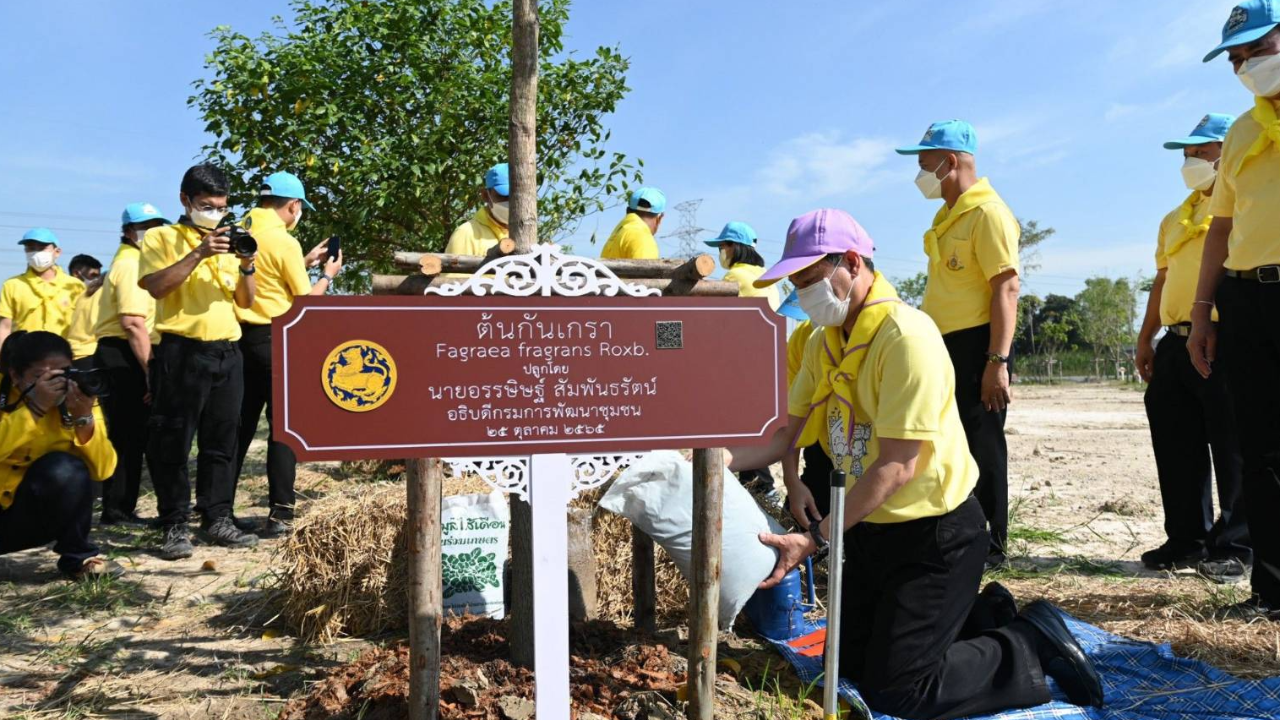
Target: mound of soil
<point x="606" y="668"/>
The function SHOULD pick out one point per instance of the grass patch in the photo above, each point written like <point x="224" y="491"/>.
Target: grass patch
<point x="15" y="622"/>
<point x="97" y="594"/>
<point x="773" y="702"/>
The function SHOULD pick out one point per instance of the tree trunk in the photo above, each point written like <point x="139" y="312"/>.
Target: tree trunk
<point x="426" y="592"/>
<point x="522" y="157"/>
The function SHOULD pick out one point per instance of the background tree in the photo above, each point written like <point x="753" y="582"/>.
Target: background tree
<point x="1106" y="311"/>
<point x="1024" y="335"/>
<point x="1029" y="245"/>
<point x="391" y="111"/>
<point x="911" y="289"/>
<point x="1054" y="338"/>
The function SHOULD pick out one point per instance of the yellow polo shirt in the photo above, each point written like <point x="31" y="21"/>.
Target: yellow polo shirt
<point x="795" y="349"/>
<point x="746" y="275"/>
<point x="906" y="391"/>
<point x="203" y="306"/>
<point x="24" y="439"/>
<point x="121" y="295"/>
<point x="1182" y="266"/>
<point x="36" y="304"/>
<point x="282" y="271"/>
<point x="632" y="240"/>
<point x="83" y="319"/>
<point x="477" y="236"/>
<point x="981" y="244"/>
<point x="1251" y="199"/>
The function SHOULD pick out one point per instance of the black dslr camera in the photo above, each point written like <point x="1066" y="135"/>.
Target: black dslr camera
<point x="242" y="243"/>
<point x="91" y="382"/>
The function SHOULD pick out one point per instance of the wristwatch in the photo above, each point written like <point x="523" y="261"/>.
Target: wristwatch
<point x="83" y="421"/>
<point x="997" y="359"/>
<point x="251" y="270"/>
<point x="823" y="546"/>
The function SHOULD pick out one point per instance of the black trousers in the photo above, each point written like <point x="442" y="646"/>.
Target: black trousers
<point x="127" y="415"/>
<point x="1190" y="415"/>
<point x="196" y="387"/>
<point x="282" y="463"/>
<point x="983" y="428"/>
<point x="816" y="475"/>
<point x="909" y="639"/>
<point x="53" y="503"/>
<point x="1249" y="352"/>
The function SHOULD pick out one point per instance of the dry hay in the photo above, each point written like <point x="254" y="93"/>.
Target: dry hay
<point x="343" y="569"/>
<point x="1174" y="610"/>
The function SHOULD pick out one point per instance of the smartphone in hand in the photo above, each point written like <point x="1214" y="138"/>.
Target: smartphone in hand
<point x="335" y="243"/>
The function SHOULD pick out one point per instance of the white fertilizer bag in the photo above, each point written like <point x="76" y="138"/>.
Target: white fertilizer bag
<point x="474" y="553"/>
<point x="656" y="495"/>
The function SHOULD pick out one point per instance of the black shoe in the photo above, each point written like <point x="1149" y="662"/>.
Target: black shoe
<point x="1169" y="557"/>
<point x="113" y="518"/>
<point x="1224" y="571"/>
<point x="277" y="527"/>
<point x="1062" y="658"/>
<point x="1252" y="609"/>
<point x="996" y="561"/>
<point x="223" y="531"/>
<point x="1004" y="609"/>
<point x="245" y="525"/>
<point x="177" y="543"/>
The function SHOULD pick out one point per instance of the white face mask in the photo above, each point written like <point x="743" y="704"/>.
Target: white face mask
<point x="297" y="219"/>
<point x="1261" y="75"/>
<point x="726" y="258"/>
<point x="929" y="183"/>
<point x="206" y="219"/>
<point x="1199" y="174"/>
<point x="820" y="303"/>
<point x="40" y="260"/>
<point x="500" y="211"/>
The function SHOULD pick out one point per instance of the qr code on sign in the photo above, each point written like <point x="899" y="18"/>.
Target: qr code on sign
<point x="670" y="334"/>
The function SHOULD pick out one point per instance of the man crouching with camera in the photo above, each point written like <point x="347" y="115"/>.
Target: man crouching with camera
<point x="53" y="447"/>
<point x="198" y="270"/>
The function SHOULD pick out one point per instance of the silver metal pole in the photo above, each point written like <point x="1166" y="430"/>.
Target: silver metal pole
<point x="835" y="581"/>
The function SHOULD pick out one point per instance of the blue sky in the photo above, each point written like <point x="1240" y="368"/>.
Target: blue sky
<point x="762" y="112"/>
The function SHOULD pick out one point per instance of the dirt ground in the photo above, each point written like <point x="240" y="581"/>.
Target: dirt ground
<point x="194" y="639"/>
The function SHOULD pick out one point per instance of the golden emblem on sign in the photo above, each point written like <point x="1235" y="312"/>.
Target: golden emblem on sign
<point x="359" y="375"/>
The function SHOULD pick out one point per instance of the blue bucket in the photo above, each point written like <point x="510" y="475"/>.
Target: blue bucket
<point x="778" y="612"/>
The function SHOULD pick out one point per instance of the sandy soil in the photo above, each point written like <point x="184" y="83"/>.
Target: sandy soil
<point x="192" y="639"/>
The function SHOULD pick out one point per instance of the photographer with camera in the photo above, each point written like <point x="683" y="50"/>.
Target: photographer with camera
<point x="197" y="379"/>
<point x="52" y="449"/>
<point x="125" y="332"/>
<point x="84" y="315"/>
<point x="282" y="276"/>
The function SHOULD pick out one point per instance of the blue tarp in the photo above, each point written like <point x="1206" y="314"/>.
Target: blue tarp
<point x="1142" y="681"/>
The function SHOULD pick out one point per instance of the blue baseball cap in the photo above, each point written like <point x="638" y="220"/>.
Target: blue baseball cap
<point x="140" y="212"/>
<point x="41" y="235"/>
<point x="791" y="307"/>
<point x="285" y="185"/>
<point x="1247" y="22"/>
<point x="738" y="232"/>
<point x="652" y="195"/>
<point x="498" y="179"/>
<point x="1213" y="128"/>
<point x="955" y="135"/>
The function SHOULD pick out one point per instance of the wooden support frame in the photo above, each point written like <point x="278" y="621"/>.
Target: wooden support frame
<point x="425" y="479"/>
<point x="416" y="284"/>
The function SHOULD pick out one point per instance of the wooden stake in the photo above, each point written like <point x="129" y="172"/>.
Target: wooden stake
<point x="643" y="582"/>
<point x="434" y="264"/>
<point x="708" y="502"/>
<point x="426" y="591"/>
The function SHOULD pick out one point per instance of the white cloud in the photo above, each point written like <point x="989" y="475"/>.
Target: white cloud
<point x="1120" y="111"/>
<point x="824" y="164"/>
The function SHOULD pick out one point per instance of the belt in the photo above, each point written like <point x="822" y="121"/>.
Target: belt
<point x="1266" y="274"/>
<point x="1181" y="329"/>
<point x="175" y="339"/>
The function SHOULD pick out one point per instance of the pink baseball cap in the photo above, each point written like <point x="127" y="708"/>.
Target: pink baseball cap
<point x="815" y="235"/>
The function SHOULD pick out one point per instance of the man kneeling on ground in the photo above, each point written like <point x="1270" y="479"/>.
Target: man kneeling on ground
<point x="53" y="447"/>
<point x="876" y="389"/>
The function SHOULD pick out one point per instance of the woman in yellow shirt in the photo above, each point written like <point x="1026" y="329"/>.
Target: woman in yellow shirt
<point x="53" y="447"/>
<point x="738" y="255"/>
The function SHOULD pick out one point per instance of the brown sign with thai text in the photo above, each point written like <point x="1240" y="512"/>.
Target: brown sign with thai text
<point x="371" y="377"/>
